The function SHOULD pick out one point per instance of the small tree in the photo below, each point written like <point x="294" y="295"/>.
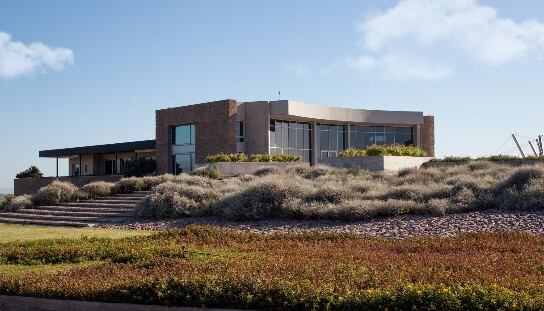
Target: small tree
<point x="31" y="172"/>
<point x="140" y="167"/>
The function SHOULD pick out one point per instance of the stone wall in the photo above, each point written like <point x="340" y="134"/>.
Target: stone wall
<point x="427" y="135"/>
<point x="214" y="126"/>
<point x="32" y="185"/>
<point x="16" y="303"/>
<point x="387" y="163"/>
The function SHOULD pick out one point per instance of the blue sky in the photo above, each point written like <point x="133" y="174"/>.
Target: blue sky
<point x="103" y="67"/>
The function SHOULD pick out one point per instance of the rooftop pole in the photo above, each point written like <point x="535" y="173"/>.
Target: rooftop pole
<point x="534" y="151"/>
<point x="540" y="145"/>
<point x="517" y="144"/>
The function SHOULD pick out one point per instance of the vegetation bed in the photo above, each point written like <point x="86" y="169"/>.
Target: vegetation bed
<point x="212" y="267"/>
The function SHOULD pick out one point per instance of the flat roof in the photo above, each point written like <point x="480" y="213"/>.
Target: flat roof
<point x="108" y="148"/>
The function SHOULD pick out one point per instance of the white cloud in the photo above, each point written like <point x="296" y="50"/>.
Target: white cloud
<point x="17" y="58"/>
<point x="414" y="38"/>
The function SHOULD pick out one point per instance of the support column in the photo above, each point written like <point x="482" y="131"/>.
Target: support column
<point x="80" y="168"/>
<point x="57" y="167"/>
<point x="315" y="141"/>
<point x="347" y="139"/>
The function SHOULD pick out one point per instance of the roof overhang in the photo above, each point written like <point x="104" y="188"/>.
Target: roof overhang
<point x="99" y="149"/>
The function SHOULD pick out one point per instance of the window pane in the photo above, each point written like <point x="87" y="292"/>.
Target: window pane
<point x="183" y="163"/>
<point x="389" y="138"/>
<point x="183" y="135"/>
<point x="285" y="135"/>
<point x="369" y="139"/>
<point x="278" y="134"/>
<point x="340" y="140"/>
<point x="306" y="139"/>
<point x="292" y="137"/>
<point x="324" y="140"/>
<point x="380" y="138"/>
<point x="300" y="138"/>
<point x="333" y="139"/>
<point x="193" y="140"/>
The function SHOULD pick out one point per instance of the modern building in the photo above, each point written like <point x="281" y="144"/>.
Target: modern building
<point x="186" y="135"/>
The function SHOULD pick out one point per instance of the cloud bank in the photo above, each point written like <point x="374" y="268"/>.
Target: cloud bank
<point x="422" y="39"/>
<point x="18" y="59"/>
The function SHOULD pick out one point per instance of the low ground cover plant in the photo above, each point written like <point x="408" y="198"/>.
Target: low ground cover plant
<point x="257" y="157"/>
<point x="386" y="150"/>
<point x="211" y="267"/>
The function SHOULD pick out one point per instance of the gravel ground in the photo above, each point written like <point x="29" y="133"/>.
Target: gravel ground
<point x="396" y="227"/>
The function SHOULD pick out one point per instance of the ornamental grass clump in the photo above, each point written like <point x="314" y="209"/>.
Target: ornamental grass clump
<point x="266" y="198"/>
<point x="18" y="202"/>
<point x="171" y="199"/>
<point x="55" y="193"/>
<point x="128" y="185"/>
<point x="98" y="189"/>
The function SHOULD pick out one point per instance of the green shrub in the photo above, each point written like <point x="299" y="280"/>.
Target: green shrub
<point x="19" y="202"/>
<point x="56" y="192"/>
<point x="242" y="157"/>
<point x="140" y="167"/>
<point x="98" y="189"/>
<point x="386" y="150"/>
<point x="31" y="172"/>
<point x="206" y="171"/>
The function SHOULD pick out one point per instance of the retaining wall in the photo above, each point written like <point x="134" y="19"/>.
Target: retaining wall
<point x="386" y="163"/>
<point x="17" y="303"/>
<point x="32" y="185"/>
<point x="229" y="169"/>
<point x="505" y="162"/>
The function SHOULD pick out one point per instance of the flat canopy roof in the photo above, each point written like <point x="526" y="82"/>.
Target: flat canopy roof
<point x="109" y="148"/>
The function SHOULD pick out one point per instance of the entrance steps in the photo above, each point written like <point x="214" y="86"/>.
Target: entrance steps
<point x="113" y="209"/>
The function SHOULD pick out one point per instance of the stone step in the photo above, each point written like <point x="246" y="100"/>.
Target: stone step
<point x="98" y="204"/>
<point x="38" y="211"/>
<point x="82" y="219"/>
<point x="137" y="194"/>
<point x="110" y="200"/>
<point x="43" y="222"/>
<point x="87" y="209"/>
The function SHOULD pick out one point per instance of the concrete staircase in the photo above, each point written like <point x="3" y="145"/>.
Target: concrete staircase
<point x="114" y="209"/>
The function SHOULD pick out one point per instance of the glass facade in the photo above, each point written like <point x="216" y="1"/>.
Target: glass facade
<point x="183" y="147"/>
<point x="363" y="136"/>
<point x="183" y="135"/>
<point x="331" y="140"/>
<point x="183" y="162"/>
<point x="288" y="137"/>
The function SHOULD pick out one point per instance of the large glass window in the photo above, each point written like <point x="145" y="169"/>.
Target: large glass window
<point x="331" y="140"/>
<point x="290" y="138"/>
<point x="183" y="135"/>
<point x="364" y="136"/>
<point x="183" y="163"/>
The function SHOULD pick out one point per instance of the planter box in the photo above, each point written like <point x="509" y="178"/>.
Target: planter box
<point x="230" y="169"/>
<point x="386" y="163"/>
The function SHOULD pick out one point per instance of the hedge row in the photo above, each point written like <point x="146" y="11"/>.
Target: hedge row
<point x="256" y="157"/>
<point x="387" y="150"/>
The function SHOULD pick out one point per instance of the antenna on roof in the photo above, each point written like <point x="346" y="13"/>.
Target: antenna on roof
<point x="279" y="95"/>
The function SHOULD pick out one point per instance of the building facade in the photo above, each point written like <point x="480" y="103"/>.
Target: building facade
<point x="186" y="135"/>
